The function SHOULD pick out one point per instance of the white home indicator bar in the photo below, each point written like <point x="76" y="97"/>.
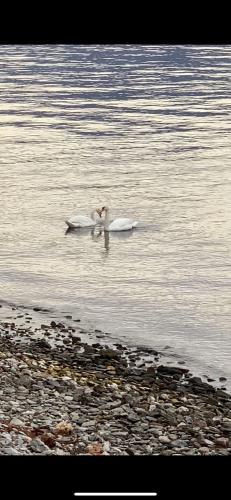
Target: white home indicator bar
<point x="113" y="494"/>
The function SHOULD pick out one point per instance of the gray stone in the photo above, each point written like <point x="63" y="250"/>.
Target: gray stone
<point x="156" y="432"/>
<point x="204" y="450"/>
<point x="90" y="423"/>
<point x="74" y="415"/>
<point x="207" y="442"/>
<point x="38" y="446"/>
<point x="10" y="451"/>
<point x="164" y="440"/>
<point x="173" y="437"/>
<point x="112" y="404"/>
<point x="179" y="443"/>
<point x="16" y="421"/>
<point x="164" y="397"/>
<point x="120" y="434"/>
<point x="68" y="398"/>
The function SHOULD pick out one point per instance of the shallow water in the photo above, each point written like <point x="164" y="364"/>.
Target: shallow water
<point x="146" y="130"/>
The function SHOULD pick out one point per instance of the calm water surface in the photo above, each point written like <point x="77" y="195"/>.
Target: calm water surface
<point x="145" y="130"/>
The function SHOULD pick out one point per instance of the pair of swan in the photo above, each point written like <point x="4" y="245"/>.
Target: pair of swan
<point x="120" y="224"/>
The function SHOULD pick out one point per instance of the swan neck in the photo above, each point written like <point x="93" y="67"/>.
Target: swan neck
<point x="93" y="214"/>
<point x="106" y="220"/>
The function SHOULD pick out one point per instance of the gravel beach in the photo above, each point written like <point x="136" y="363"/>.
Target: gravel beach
<point x="63" y="395"/>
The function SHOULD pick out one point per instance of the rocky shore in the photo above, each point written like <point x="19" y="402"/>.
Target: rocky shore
<point x="61" y="395"/>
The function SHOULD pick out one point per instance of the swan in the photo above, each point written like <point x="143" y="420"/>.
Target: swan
<point x="84" y="221"/>
<point x="120" y="224"/>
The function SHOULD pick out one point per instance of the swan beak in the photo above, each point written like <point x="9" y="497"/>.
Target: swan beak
<point x="99" y="211"/>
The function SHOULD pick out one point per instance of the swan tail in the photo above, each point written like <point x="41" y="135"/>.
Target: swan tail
<point x="135" y="223"/>
<point x="69" y="224"/>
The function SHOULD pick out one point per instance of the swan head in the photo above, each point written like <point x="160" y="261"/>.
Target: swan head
<point x="104" y="209"/>
<point x="99" y="211"/>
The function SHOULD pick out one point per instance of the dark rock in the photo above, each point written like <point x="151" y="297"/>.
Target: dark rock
<point x="109" y="354"/>
<point x="75" y="339"/>
<point x="89" y="349"/>
<point x="25" y="380"/>
<point x="66" y="341"/>
<point x="119" y="347"/>
<point x="43" y="343"/>
<point x="130" y="451"/>
<point x="53" y="324"/>
<point x="172" y="370"/>
<point x="196" y="380"/>
<point x="151" y="370"/>
<point x="222" y="394"/>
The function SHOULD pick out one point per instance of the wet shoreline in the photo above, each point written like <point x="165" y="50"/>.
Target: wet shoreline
<point x="64" y="393"/>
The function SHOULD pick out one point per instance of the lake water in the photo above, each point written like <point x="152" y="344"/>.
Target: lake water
<point x="145" y="130"/>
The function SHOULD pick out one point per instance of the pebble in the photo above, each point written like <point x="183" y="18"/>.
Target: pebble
<point x="106" y="446"/>
<point x="227" y="421"/>
<point x="90" y="423"/>
<point x="203" y="450"/>
<point x="208" y="442"/>
<point x="223" y="442"/>
<point x="10" y="451"/>
<point x="38" y="446"/>
<point x="164" y="396"/>
<point x="16" y="421"/>
<point x="74" y="415"/>
<point x="164" y="439"/>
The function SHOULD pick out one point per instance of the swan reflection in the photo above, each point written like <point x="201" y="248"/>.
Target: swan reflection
<point x="123" y="235"/>
<point x="94" y="232"/>
<point x="97" y="232"/>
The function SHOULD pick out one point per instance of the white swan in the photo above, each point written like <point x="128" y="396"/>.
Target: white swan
<point x="84" y="221"/>
<point x="120" y="224"/>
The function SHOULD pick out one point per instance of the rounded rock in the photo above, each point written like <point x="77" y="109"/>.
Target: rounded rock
<point x="164" y="440"/>
<point x="222" y="442"/>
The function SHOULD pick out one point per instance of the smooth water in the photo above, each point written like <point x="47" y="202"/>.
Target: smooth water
<point x="145" y="130"/>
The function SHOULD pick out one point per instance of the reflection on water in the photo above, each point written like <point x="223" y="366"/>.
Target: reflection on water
<point x="145" y="130"/>
<point x="96" y="232"/>
<point x="120" y="236"/>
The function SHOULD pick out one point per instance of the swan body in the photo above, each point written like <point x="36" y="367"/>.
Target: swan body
<point x="120" y="224"/>
<point x="84" y="220"/>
